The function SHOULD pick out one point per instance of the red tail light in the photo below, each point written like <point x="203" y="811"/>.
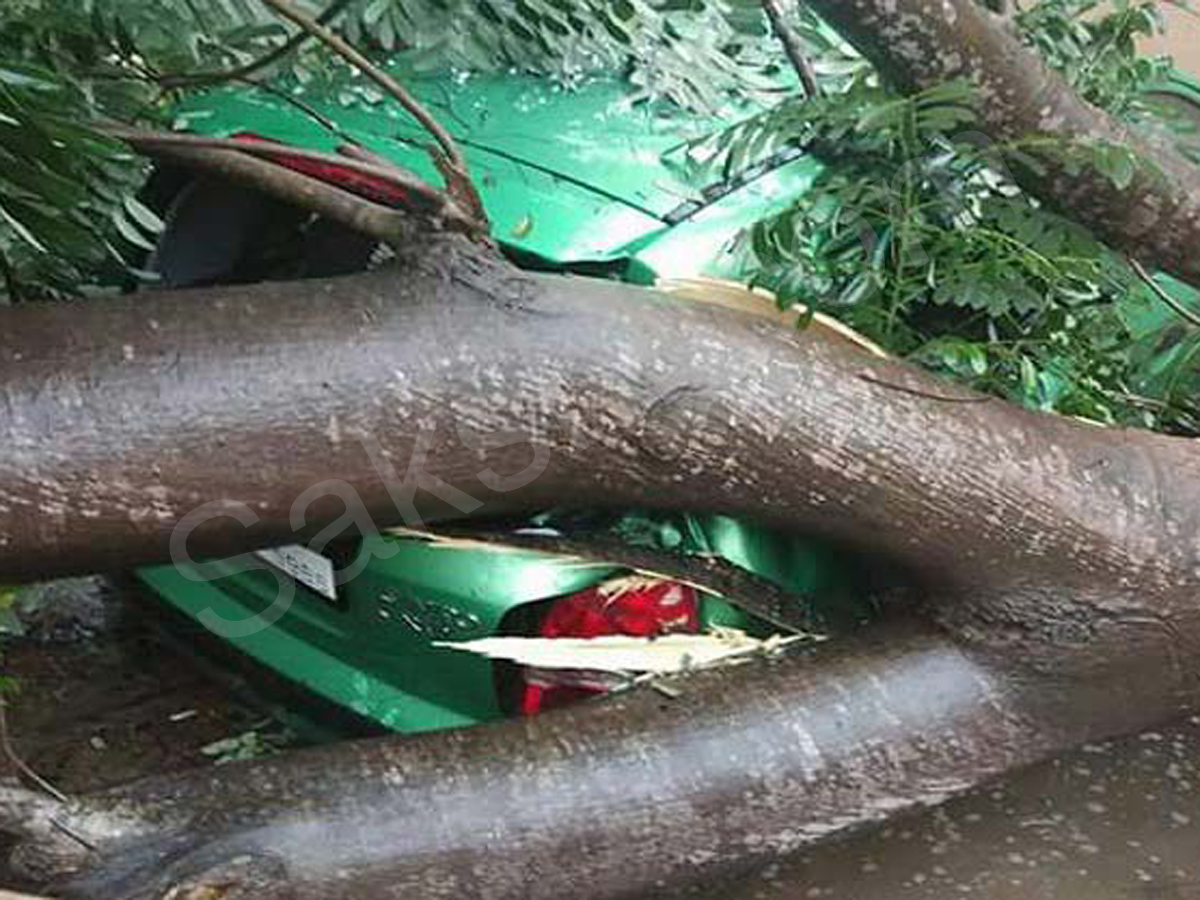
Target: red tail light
<point x="634" y="606"/>
<point x="365" y="185"/>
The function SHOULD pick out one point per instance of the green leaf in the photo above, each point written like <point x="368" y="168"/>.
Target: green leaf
<point x="374" y="11"/>
<point x="129" y="231"/>
<point x="33" y="79"/>
<point x="143" y="215"/>
<point x="22" y="231"/>
<point x="524" y="227"/>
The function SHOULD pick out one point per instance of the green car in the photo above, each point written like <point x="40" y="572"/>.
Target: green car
<point x="583" y="181"/>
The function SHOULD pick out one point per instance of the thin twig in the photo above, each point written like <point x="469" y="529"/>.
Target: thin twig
<point x="792" y="47"/>
<point x="20" y="764"/>
<point x="451" y="161"/>
<point x="1148" y="280"/>
<point x="916" y="392"/>
<point x="342" y="48"/>
<point x="307" y="108"/>
<point x="1139" y="400"/>
<point x="73" y="834"/>
<point x="293" y="43"/>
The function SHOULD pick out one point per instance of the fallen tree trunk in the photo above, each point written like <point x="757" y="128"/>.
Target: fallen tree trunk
<point x="121" y="418"/>
<point x="1057" y="564"/>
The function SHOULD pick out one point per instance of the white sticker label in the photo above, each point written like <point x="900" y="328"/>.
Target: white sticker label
<point x="312" y="570"/>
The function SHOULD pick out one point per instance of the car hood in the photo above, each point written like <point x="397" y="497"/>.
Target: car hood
<point x="594" y="134"/>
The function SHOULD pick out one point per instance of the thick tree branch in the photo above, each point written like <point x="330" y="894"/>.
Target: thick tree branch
<point x="638" y="791"/>
<point x="917" y="45"/>
<point x="701" y="423"/>
<point x="377" y="168"/>
<point x="333" y="203"/>
<point x="237" y="160"/>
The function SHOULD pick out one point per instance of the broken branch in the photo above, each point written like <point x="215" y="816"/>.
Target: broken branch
<point x="324" y="199"/>
<point x="450" y="162"/>
<point x="238" y="160"/>
<point x="791" y="46"/>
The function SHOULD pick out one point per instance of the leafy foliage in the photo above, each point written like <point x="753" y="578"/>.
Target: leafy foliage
<point x="1098" y="53"/>
<point x="68" y="217"/>
<point x="694" y="52"/>
<point x="63" y="188"/>
<point x="121" y="48"/>
<point x="916" y="235"/>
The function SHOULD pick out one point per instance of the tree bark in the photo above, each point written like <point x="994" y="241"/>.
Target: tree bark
<point x="1057" y="563"/>
<point x="610" y="799"/>
<point x="122" y="417"/>
<point x="917" y="45"/>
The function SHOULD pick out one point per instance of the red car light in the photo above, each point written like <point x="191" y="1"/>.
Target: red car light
<point x="372" y="187"/>
<point x="638" y="607"/>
